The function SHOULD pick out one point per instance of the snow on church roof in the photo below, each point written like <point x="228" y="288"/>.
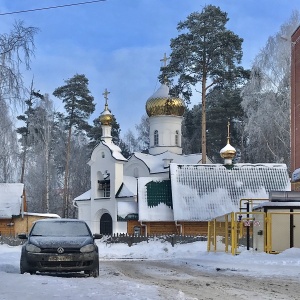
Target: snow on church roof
<point x="155" y="163"/>
<point x="85" y="196"/>
<point x="203" y="192"/>
<point x="10" y="199"/>
<point x="158" y="212"/>
<point x="115" y="151"/>
<point x="128" y="188"/>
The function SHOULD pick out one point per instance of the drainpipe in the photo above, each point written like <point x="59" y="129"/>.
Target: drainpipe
<point x="179" y="225"/>
<point x="22" y="207"/>
<point x="145" y="226"/>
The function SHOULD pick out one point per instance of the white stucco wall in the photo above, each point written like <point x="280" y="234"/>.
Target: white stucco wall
<point x="166" y="127"/>
<point x="103" y="164"/>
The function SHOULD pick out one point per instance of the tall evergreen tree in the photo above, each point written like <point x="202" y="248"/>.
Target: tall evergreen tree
<point x="224" y="104"/>
<point x="79" y="106"/>
<point x="190" y="130"/>
<point x="206" y="53"/>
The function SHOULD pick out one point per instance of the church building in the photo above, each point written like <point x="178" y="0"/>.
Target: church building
<point x="165" y="191"/>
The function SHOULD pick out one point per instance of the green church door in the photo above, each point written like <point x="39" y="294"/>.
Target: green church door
<point x="106" y="224"/>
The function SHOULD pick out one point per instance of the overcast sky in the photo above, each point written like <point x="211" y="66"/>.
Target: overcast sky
<point x="118" y="44"/>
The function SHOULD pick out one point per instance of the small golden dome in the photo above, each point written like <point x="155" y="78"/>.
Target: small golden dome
<point x="228" y="152"/>
<point x="106" y="116"/>
<point x="161" y="103"/>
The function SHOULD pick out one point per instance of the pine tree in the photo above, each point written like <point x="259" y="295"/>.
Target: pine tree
<point x="205" y="53"/>
<point x="79" y="106"/>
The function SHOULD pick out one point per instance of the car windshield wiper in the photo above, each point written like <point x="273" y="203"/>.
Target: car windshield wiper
<point x="36" y="235"/>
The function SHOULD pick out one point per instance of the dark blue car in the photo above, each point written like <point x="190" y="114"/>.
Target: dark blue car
<point x="60" y="245"/>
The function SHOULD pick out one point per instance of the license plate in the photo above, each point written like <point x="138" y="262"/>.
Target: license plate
<point x="60" y="258"/>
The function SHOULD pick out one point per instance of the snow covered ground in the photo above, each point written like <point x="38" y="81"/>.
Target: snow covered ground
<point x="112" y="285"/>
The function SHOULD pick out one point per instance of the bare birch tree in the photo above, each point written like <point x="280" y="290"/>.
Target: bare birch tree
<point x="266" y="99"/>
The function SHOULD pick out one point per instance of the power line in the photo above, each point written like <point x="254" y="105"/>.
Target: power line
<point x="50" y="7"/>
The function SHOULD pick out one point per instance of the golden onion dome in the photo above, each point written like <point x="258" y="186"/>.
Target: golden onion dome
<point x="161" y="103"/>
<point x="228" y="152"/>
<point x="106" y="116"/>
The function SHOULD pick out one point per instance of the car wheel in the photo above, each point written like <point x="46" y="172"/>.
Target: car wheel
<point x="95" y="273"/>
<point x="23" y="269"/>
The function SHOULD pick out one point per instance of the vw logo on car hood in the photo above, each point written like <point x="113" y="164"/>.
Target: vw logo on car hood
<point x="60" y="250"/>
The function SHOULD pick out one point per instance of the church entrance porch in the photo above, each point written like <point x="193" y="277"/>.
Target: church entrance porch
<point x="106" y="224"/>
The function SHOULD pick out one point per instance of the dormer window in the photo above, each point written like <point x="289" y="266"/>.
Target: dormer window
<point x="156" y="138"/>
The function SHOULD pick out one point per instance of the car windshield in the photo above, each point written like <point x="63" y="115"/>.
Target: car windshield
<point x="63" y="228"/>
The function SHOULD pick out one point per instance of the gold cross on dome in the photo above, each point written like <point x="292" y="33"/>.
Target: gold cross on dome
<point x="105" y="94"/>
<point x="165" y="59"/>
<point x="228" y="132"/>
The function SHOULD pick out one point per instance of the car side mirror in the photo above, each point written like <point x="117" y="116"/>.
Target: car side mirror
<point x="23" y="236"/>
<point x="97" y="236"/>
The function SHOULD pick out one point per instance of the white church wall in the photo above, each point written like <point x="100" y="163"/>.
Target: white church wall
<point x="118" y="177"/>
<point x="84" y="211"/>
<point x="166" y="127"/>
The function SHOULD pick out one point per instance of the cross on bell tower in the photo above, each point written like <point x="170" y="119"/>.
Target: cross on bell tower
<point x="164" y="60"/>
<point x="105" y="94"/>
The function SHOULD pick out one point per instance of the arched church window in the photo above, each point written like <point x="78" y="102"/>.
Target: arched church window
<point x="136" y="172"/>
<point x="156" y="138"/>
<point x="103" y="155"/>
<point x="177" y="138"/>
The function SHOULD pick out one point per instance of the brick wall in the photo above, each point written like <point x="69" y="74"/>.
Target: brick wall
<point x="295" y="100"/>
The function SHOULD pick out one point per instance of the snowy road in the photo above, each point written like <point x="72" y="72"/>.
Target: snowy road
<point x="185" y="281"/>
<point x="158" y="271"/>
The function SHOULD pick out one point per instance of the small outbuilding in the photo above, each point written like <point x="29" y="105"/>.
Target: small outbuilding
<point x="14" y="218"/>
<point x="282" y="227"/>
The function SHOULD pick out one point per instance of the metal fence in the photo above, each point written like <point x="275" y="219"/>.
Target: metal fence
<point x="123" y="238"/>
<point x="11" y="241"/>
<point x="135" y="239"/>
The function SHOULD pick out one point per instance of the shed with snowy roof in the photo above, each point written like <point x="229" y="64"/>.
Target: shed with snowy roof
<point x="14" y="218"/>
<point x="282" y="218"/>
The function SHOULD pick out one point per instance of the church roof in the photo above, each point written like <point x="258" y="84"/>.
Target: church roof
<point x="115" y="151"/>
<point x="85" y="196"/>
<point x="10" y="199"/>
<point x="155" y="163"/>
<point x="203" y="192"/>
<point x="151" y="209"/>
<point x="128" y="187"/>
